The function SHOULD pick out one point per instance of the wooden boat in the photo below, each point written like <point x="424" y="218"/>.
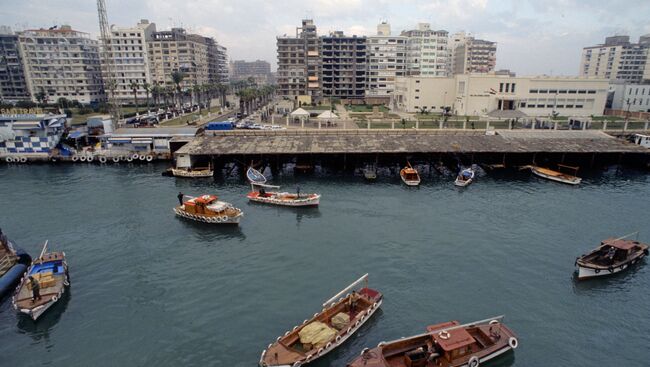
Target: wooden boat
<point x="370" y="173"/>
<point x="443" y="345"/>
<point x="465" y="177"/>
<point x="326" y="330"/>
<point x="557" y="176"/>
<point x="50" y="270"/>
<point x="193" y="172"/>
<point x="410" y="175"/>
<point x="612" y="256"/>
<point x="260" y="195"/>
<point x="209" y="209"/>
<point x="13" y="264"/>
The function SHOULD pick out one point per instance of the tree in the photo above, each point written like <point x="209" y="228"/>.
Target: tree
<point x="196" y="92"/>
<point x="177" y="78"/>
<point x="156" y="92"/>
<point x="134" y="88"/>
<point x="147" y="89"/>
<point x="41" y="97"/>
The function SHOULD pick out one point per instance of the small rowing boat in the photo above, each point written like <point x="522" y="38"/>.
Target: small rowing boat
<point x="260" y="195"/>
<point x="410" y="175"/>
<point x="612" y="256"/>
<point x="341" y="317"/>
<point x="45" y="283"/>
<point x="465" y="177"/>
<point x="557" y="176"/>
<point x="208" y="209"/>
<point x="193" y="172"/>
<point x="370" y="172"/>
<point x="443" y="345"/>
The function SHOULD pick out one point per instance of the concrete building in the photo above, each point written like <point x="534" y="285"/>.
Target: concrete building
<point x="618" y="59"/>
<point x="471" y="55"/>
<point x="128" y="49"/>
<point x="13" y="86"/>
<point x="62" y="63"/>
<point x="30" y="135"/>
<point x="299" y="63"/>
<point x="176" y="50"/>
<point x="259" y="70"/>
<point x="481" y="94"/>
<point x="343" y="66"/>
<point x="629" y="97"/>
<point x="217" y="61"/>
<point x="386" y="61"/>
<point x="427" y="51"/>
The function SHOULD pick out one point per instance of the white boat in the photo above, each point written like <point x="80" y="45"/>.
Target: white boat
<point x="465" y="177"/>
<point x="192" y="173"/>
<point x="260" y="195"/>
<point x="557" y="176"/>
<point x="612" y="256"/>
<point x="340" y="318"/>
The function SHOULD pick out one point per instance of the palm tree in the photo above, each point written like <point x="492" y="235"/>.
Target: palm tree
<point x="147" y="89"/>
<point x="196" y="91"/>
<point x="41" y="97"/>
<point x="177" y="78"/>
<point x="156" y="91"/>
<point x="223" y="92"/>
<point x="134" y="88"/>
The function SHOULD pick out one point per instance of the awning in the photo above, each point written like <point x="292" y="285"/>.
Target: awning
<point x="328" y="115"/>
<point x="27" y="125"/>
<point x="300" y="113"/>
<point x="77" y="134"/>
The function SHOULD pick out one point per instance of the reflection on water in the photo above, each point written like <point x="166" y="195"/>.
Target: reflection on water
<point x="40" y="329"/>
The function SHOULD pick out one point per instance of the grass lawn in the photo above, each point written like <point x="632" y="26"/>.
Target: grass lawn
<point x="183" y="120"/>
<point x="319" y="108"/>
<point x="78" y="119"/>
<point x="365" y="108"/>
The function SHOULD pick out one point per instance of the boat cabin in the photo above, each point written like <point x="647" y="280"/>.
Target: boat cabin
<point x="452" y="344"/>
<point x="614" y="251"/>
<point x="205" y="204"/>
<point x="410" y="174"/>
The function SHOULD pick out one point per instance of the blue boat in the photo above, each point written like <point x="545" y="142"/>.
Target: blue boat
<point x="13" y="264"/>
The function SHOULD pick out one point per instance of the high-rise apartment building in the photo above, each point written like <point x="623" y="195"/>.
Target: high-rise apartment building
<point x="127" y="47"/>
<point x="217" y="61"/>
<point x="386" y="61"/>
<point x="299" y="63"/>
<point x="618" y="59"/>
<point x="343" y="65"/>
<point x="61" y="62"/>
<point x="427" y="51"/>
<point x="13" y="86"/>
<point x="471" y="55"/>
<point x="259" y="70"/>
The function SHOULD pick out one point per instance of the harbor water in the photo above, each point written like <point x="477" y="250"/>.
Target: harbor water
<point x="151" y="289"/>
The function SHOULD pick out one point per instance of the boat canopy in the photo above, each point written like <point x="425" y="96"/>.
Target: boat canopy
<point x="620" y="244"/>
<point x="204" y="199"/>
<point x="454" y="339"/>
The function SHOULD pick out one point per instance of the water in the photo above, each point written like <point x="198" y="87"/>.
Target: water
<point x="150" y="289"/>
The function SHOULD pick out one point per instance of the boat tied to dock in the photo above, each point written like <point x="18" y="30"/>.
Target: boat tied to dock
<point x="557" y="176"/>
<point x="410" y="175"/>
<point x="612" y="256"/>
<point x="447" y="344"/>
<point x="208" y="209"/>
<point x="259" y="194"/>
<point x="193" y="172"/>
<point x="13" y="264"/>
<point x="465" y="177"/>
<point x="44" y="284"/>
<point x="341" y="316"/>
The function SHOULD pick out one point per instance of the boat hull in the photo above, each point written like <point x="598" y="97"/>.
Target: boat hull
<point x="461" y="183"/>
<point x="52" y="294"/>
<point x="9" y="279"/>
<point x="574" y="181"/>
<point x="192" y="174"/>
<point x="585" y="272"/>
<point x="411" y="182"/>
<point x="313" y="200"/>
<point x="209" y="219"/>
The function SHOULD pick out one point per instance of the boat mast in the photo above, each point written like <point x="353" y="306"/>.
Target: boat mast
<point x="43" y="250"/>
<point x="448" y="329"/>
<point x="333" y="300"/>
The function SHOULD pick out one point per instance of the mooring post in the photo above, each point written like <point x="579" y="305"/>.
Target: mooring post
<point x="605" y="125"/>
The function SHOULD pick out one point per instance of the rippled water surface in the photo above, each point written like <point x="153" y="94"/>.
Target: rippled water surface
<point x="150" y="289"/>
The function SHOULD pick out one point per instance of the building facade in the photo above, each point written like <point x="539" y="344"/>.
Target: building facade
<point x="13" y="86"/>
<point x="61" y="63"/>
<point x="480" y="94"/>
<point x="471" y="55"/>
<point x="217" y="61"/>
<point x="128" y="50"/>
<point x="259" y="70"/>
<point x="427" y="51"/>
<point x="299" y="63"/>
<point x="386" y="61"/>
<point x="618" y="59"/>
<point x="629" y="97"/>
<point x="175" y="50"/>
<point x="343" y="66"/>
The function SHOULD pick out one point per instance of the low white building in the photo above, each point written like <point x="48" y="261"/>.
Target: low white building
<point x="480" y="94"/>
<point x="630" y="97"/>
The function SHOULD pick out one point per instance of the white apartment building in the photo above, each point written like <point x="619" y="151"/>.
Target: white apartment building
<point x="427" y="51"/>
<point x="618" y="59"/>
<point x="630" y="97"/>
<point x="128" y="50"/>
<point x="62" y="63"/>
<point x="386" y="61"/>
<point x="480" y="94"/>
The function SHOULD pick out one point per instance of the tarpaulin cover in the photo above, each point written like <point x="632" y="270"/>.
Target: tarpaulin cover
<point x="316" y="334"/>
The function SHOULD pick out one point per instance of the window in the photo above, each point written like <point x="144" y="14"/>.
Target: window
<point x="512" y="88"/>
<point x="507" y="87"/>
<point x="543" y="91"/>
<point x="534" y="91"/>
<point x="501" y="88"/>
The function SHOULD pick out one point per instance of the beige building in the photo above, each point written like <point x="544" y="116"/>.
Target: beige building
<point x="386" y="61"/>
<point x="480" y="94"/>
<point x="175" y="50"/>
<point x="471" y="55"/>
<point x="299" y="63"/>
<point x="128" y="49"/>
<point x="62" y="63"/>
<point x="618" y="59"/>
<point x="427" y="52"/>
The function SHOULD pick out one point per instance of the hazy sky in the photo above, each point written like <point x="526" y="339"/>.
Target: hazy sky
<point x="534" y="36"/>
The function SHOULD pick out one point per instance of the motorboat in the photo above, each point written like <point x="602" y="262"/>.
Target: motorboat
<point x="49" y="272"/>
<point x="208" y="209"/>
<point x="341" y="317"/>
<point x="465" y="177"/>
<point x="447" y="344"/>
<point x="612" y="256"/>
<point x="410" y="175"/>
<point x="557" y="176"/>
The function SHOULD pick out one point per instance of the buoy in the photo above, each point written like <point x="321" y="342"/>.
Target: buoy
<point x="102" y="159"/>
<point x="129" y="159"/>
<point x="82" y="158"/>
<point x="116" y="159"/>
<point x="149" y="158"/>
<point x="135" y="156"/>
<point x="9" y="160"/>
<point x="89" y="158"/>
<point x="142" y="157"/>
<point x="23" y="159"/>
<point x="513" y="343"/>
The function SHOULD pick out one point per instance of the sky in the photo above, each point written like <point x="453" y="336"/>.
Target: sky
<point x="533" y="37"/>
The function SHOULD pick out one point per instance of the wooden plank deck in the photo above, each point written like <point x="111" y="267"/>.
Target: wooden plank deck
<point x="241" y="142"/>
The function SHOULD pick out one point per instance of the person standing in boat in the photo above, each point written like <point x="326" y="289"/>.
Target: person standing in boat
<point x="352" y="303"/>
<point x="298" y="191"/>
<point x="180" y="198"/>
<point x="36" y="289"/>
